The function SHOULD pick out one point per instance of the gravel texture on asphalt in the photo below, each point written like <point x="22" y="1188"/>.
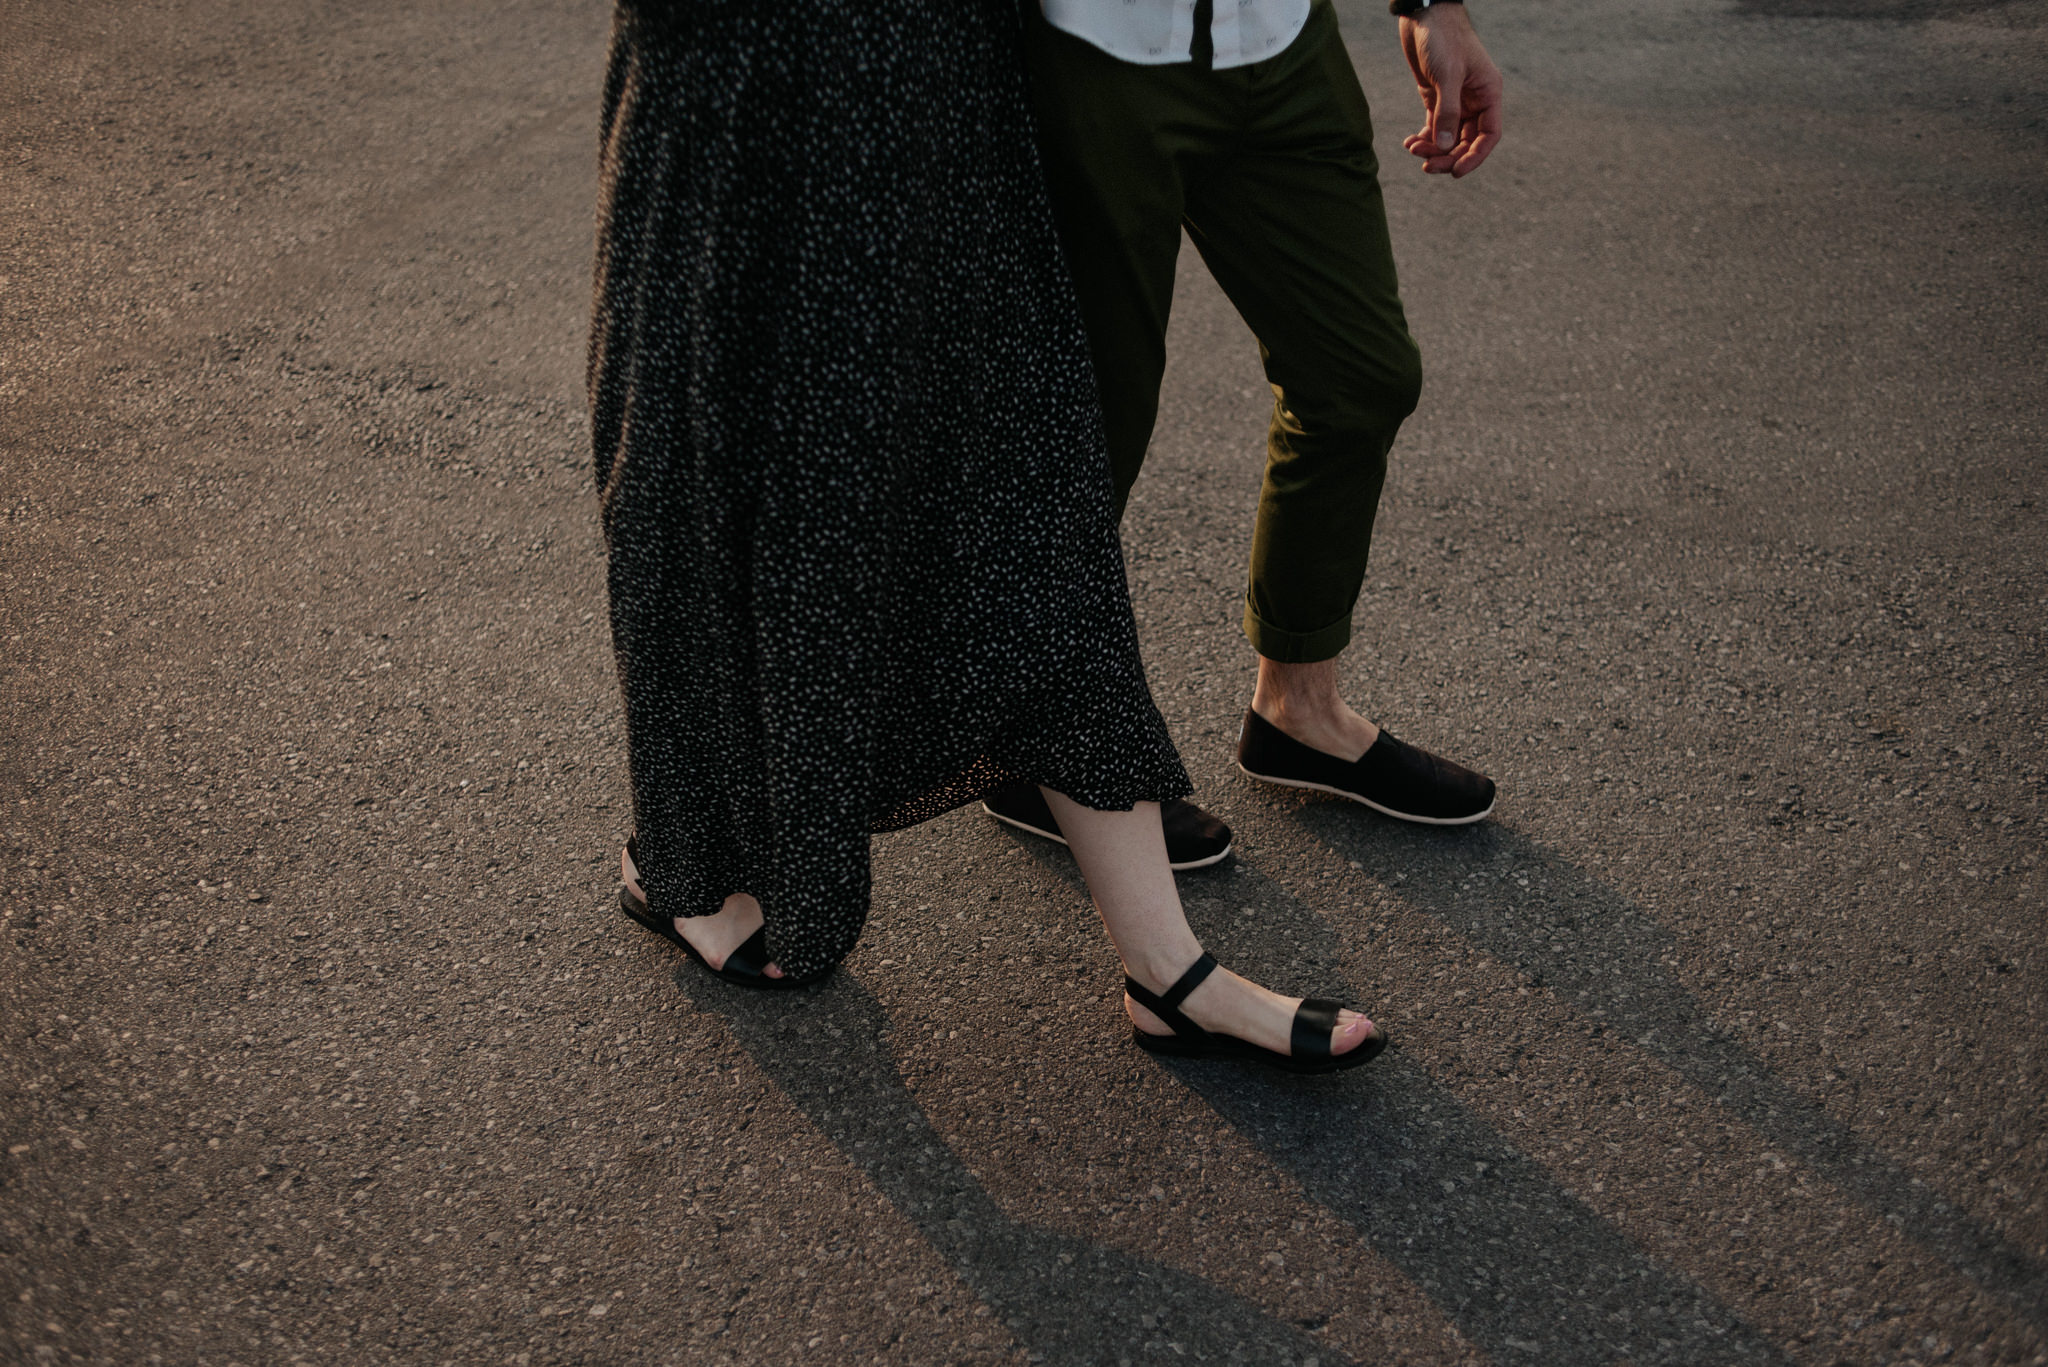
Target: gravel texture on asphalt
<point x="1718" y="541"/>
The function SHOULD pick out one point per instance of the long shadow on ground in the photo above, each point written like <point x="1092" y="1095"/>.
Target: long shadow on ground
<point x="1597" y="949"/>
<point x="1525" y="1270"/>
<point x="1070" y="1300"/>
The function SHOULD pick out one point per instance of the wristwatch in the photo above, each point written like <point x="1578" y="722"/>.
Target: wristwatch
<point x="1404" y="8"/>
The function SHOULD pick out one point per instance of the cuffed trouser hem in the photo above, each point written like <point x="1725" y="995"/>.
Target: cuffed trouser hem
<point x="1295" y="647"/>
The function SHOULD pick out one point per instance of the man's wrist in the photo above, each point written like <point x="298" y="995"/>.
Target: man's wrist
<point x="1408" y="9"/>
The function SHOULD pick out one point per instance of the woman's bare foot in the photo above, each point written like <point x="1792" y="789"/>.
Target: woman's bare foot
<point x="715" y="936"/>
<point x="1230" y="1005"/>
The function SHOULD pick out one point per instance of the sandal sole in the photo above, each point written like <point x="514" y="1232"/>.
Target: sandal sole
<point x="1173" y="1046"/>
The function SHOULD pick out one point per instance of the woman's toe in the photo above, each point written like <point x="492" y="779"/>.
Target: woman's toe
<point x="1352" y="1031"/>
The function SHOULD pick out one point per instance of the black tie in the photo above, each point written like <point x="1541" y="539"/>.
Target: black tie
<point x="1203" y="48"/>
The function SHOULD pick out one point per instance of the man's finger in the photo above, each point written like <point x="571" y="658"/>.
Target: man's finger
<point x="1416" y="142"/>
<point x="1484" y="133"/>
<point x="1443" y="114"/>
<point x="1480" y="149"/>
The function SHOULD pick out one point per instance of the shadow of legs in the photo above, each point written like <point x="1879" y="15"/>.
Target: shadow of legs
<point x="1597" y="949"/>
<point x="1070" y="1300"/>
<point x="1523" y="1268"/>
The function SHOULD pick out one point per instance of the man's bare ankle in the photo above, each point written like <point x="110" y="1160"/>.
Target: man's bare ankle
<point x="1329" y="725"/>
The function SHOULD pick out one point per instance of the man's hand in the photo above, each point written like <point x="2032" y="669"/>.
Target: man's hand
<point x="1460" y="90"/>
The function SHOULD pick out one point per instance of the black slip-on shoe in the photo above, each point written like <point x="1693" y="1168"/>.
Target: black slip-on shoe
<point x="1391" y="777"/>
<point x="1195" y="839"/>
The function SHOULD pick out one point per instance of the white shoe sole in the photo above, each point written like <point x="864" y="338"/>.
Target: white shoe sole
<point x="1029" y="829"/>
<point x="1368" y="802"/>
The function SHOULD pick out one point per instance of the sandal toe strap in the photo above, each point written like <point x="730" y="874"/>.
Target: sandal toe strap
<point x="750" y="960"/>
<point x="1315" y="1024"/>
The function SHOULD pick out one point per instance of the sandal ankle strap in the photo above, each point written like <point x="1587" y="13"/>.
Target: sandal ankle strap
<point x="1166" y="1005"/>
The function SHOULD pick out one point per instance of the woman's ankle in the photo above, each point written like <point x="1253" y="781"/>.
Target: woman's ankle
<point x="1158" y="968"/>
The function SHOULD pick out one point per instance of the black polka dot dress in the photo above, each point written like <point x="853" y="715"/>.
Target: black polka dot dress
<point x="863" y="564"/>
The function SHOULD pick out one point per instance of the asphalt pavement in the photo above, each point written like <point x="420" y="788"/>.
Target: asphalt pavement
<point x="1718" y="541"/>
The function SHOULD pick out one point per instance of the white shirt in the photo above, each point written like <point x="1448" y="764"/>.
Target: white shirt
<point x="1160" y="32"/>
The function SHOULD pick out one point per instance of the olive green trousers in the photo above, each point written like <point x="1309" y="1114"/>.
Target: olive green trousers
<point x="1270" y="169"/>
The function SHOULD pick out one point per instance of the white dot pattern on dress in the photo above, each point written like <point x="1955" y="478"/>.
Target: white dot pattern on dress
<point x="864" y="565"/>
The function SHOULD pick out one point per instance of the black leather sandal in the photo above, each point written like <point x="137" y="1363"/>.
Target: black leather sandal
<point x="1315" y="1022"/>
<point x="744" y="967"/>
